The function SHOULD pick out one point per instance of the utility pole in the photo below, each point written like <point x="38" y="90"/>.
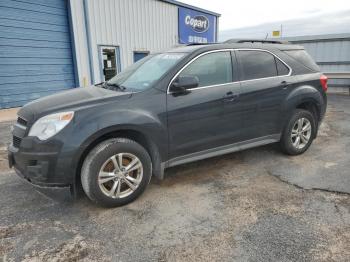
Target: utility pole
<point x="281" y="30"/>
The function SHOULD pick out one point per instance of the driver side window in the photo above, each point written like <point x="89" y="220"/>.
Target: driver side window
<point x="211" y="69"/>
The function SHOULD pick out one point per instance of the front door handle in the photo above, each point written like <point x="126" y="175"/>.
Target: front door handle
<point x="230" y="97"/>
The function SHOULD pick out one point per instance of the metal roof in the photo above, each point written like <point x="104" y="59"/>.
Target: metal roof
<point x="173" y="2"/>
<point x="317" y="38"/>
<point x="218" y="46"/>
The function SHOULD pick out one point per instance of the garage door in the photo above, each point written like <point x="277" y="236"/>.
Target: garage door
<point x="35" y="50"/>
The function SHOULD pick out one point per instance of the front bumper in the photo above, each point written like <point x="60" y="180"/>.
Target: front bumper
<point x="38" y="168"/>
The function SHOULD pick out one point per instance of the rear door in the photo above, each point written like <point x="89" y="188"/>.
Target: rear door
<point x="265" y="83"/>
<point x="196" y="120"/>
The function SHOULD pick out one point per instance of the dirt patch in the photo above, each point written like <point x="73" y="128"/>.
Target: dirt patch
<point x="201" y="249"/>
<point x="73" y="250"/>
<point x="5" y="248"/>
<point x="31" y="242"/>
<point x="13" y="230"/>
<point x="7" y="234"/>
<point x="4" y="166"/>
<point x="338" y="246"/>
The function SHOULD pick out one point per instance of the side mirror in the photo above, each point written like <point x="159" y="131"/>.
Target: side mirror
<point x="182" y="83"/>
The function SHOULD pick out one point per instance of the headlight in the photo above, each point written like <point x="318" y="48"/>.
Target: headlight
<point x="50" y="125"/>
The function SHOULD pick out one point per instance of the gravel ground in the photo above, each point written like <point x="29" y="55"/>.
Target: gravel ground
<point x="254" y="205"/>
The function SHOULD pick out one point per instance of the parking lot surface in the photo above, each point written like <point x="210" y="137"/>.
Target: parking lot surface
<point x="254" y="205"/>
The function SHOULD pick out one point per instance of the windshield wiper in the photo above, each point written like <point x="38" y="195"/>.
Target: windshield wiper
<point x="112" y="86"/>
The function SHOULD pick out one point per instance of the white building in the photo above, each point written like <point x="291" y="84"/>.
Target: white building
<point x="52" y="45"/>
<point x="331" y="52"/>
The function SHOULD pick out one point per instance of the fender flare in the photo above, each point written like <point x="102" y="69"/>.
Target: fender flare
<point x="154" y="131"/>
<point x="301" y="95"/>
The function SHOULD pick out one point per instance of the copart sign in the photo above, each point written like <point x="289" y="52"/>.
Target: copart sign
<point x="196" y="27"/>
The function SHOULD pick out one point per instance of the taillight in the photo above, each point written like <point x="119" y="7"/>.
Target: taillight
<point x="324" y="80"/>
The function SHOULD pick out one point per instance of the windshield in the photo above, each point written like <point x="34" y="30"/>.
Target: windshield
<point x="145" y="72"/>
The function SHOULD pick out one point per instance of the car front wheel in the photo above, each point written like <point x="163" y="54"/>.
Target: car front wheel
<point x="116" y="172"/>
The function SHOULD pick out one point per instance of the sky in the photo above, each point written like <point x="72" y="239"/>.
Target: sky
<point x="298" y="17"/>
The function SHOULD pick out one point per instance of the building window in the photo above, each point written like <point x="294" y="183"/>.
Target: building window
<point x="138" y="55"/>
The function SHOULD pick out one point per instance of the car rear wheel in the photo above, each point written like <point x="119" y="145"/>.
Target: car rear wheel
<point x="299" y="133"/>
<point x="116" y="172"/>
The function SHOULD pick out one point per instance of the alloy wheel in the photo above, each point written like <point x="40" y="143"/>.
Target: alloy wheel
<point x="301" y="133"/>
<point x="120" y="175"/>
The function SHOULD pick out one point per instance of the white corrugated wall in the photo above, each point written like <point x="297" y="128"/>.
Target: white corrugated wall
<point x="132" y="25"/>
<point x="80" y="41"/>
<point x="331" y="54"/>
<point x="329" y="50"/>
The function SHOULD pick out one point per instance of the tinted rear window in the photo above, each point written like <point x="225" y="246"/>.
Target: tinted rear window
<point x="257" y="64"/>
<point x="304" y="58"/>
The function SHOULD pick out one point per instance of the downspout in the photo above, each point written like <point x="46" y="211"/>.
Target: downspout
<point x="88" y="39"/>
<point x="216" y="28"/>
<point x="74" y="54"/>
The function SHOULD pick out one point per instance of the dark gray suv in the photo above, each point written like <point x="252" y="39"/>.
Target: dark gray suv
<point x="170" y="108"/>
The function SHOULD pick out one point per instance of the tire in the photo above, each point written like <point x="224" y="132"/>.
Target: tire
<point x="291" y="132"/>
<point x="110" y="184"/>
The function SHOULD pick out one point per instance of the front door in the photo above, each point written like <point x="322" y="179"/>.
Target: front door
<point x="108" y="62"/>
<point x="197" y="119"/>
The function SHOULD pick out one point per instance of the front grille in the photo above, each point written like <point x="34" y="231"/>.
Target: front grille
<point x="21" y="121"/>
<point x="16" y="141"/>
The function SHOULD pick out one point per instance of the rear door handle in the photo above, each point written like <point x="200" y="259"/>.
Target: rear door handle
<point x="230" y="97"/>
<point x="285" y="84"/>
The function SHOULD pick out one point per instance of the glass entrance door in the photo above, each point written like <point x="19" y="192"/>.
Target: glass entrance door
<point x="109" y="62"/>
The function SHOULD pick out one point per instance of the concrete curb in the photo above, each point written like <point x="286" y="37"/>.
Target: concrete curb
<point x="8" y="114"/>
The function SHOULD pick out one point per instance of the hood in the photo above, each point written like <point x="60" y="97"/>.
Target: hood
<point x="69" y="100"/>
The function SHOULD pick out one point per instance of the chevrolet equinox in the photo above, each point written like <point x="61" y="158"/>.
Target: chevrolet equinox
<point x="170" y="108"/>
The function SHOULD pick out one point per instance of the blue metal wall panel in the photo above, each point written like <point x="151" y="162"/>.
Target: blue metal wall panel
<point x="35" y="50"/>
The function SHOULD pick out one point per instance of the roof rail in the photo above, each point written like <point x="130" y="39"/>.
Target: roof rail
<point x="263" y="41"/>
<point x="201" y="44"/>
